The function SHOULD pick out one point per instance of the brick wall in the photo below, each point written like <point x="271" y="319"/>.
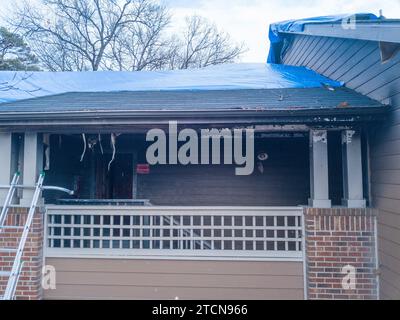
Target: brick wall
<point x="29" y="285"/>
<point x="336" y="238"/>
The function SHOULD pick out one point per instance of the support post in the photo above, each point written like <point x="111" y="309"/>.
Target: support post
<point x="5" y="163"/>
<point x="319" y="169"/>
<point x="352" y="170"/>
<point x="33" y="164"/>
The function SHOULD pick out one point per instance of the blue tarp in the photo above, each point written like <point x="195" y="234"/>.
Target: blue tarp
<point x="275" y="29"/>
<point x="221" y="77"/>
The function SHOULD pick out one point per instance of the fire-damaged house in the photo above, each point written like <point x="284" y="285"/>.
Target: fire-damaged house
<point x="310" y="212"/>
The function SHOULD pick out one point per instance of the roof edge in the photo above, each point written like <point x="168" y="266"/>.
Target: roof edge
<point x="360" y="26"/>
<point x="329" y="116"/>
<point x="368" y="30"/>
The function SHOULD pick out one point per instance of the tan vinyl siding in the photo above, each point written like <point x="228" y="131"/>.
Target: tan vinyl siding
<point x="358" y="64"/>
<point x="168" y="279"/>
<point x="385" y="188"/>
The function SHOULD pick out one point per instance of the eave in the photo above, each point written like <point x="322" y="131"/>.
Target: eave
<point x="387" y="31"/>
<point x="106" y="121"/>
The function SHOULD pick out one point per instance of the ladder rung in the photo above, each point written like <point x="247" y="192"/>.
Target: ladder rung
<point x="11" y="227"/>
<point x="8" y="250"/>
<point x="5" y="273"/>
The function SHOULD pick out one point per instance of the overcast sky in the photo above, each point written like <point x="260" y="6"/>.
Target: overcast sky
<point x="247" y="20"/>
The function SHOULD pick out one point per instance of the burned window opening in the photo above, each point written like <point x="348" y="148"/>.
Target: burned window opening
<point x="94" y="172"/>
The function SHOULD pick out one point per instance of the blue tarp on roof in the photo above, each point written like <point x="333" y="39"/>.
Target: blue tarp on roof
<point x="221" y="77"/>
<point x="275" y="29"/>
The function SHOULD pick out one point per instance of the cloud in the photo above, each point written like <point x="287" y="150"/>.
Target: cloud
<point x="248" y="21"/>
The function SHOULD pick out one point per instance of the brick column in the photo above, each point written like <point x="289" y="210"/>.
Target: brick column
<point x="29" y="284"/>
<point x="338" y="242"/>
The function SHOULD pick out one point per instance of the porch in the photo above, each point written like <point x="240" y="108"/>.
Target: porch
<point x="200" y="231"/>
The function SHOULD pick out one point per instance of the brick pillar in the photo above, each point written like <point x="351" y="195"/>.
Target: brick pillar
<point x="340" y="240"/>
<point x="29" y="284"/>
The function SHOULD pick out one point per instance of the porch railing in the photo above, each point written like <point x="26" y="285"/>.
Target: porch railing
<point x="174" y="232"/>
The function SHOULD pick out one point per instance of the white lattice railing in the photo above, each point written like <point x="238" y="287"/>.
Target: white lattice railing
<point x="165" y="232"/>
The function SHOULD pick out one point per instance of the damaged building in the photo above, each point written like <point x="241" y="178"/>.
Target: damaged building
<point x="322" y="110"/>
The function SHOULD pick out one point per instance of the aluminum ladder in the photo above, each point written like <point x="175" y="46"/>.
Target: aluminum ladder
<point x="14" y="274"/>
<point x="7" y="201"/>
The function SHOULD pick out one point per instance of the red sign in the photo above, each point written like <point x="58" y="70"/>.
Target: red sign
<point x="142" y="169"/>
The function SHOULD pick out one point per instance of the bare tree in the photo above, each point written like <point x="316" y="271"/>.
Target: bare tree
<point x="204" y="45"/>
<point x="58" y="56"/>
<point x="78" y="35"/>
<point x="200" y="45"/>
<point x="82" y="29"/>
<point x="141" y="46"/>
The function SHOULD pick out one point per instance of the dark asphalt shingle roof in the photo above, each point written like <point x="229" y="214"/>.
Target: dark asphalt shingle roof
<point x="251" y="99"/>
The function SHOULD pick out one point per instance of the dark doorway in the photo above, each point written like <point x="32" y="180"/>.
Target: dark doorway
<point x="116" y="183"/>
<point x="335" y="167"/>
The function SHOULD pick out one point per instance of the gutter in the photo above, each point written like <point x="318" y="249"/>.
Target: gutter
<point x="103" y="114"/>
<point x="127" y="119"/>
<point x="387" y="31"/>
